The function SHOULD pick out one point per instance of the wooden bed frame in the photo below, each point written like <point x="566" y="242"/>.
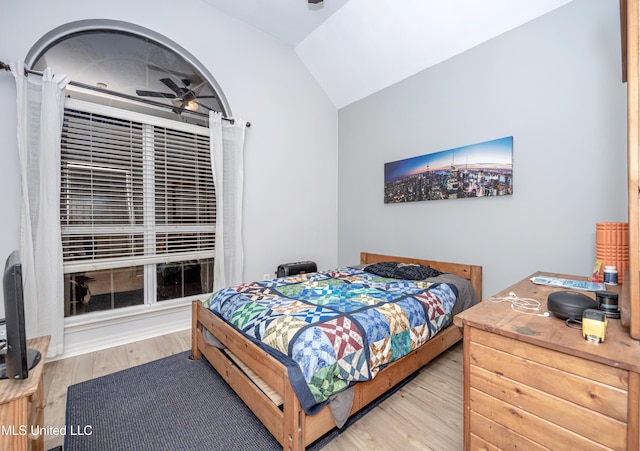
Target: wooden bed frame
<point x="288" y="422"/>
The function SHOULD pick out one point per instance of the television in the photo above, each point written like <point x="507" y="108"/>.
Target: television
<point x="15" y="359"/>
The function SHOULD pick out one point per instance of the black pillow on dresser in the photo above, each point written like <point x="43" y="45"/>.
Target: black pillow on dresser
<point x="397" y="270"/>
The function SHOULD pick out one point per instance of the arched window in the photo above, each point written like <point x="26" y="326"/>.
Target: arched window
<point x="137" y="204"/>
<point x="133" y="61"/>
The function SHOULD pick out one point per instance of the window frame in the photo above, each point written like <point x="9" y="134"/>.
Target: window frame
<point x="150" y="263"/>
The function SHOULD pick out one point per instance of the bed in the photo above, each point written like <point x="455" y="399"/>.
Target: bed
<point x="277" y="389"/>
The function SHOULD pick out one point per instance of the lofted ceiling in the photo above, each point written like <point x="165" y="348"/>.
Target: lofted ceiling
<point x="289" y="21"/>
<point x="354" y="48"/>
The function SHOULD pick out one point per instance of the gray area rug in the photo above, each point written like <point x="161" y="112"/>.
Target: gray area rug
<point x="170" y="404"/>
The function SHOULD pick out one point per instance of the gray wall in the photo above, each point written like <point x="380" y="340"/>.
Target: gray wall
<point x="553" y="84"/>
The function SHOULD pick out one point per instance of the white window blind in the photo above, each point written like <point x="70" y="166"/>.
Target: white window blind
<point x="135" y="189"/>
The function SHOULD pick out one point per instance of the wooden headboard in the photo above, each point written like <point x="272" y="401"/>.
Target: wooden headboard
<point x="471" y="272"/>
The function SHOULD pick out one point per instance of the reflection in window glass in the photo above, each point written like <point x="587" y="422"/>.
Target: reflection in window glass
<point x="94" y="291"/>
<point x="109" y="289"/>
<point x="181" y="279"/>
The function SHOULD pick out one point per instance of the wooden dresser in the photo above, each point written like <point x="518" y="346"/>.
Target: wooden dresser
<point x="22" y="406"/>
<point x="531" y="382"/>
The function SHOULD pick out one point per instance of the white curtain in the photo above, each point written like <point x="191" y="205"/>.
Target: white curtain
<point x="227" y="159"/>
<point x="40" y="106"/>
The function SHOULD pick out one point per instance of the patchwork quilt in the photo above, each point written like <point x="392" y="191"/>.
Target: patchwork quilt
<point x="332" y="329"/>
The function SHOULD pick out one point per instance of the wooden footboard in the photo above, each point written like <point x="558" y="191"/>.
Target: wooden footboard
<point x="289" y="424"/>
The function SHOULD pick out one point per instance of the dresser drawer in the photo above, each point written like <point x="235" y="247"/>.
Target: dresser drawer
<point x="523" y="393"/>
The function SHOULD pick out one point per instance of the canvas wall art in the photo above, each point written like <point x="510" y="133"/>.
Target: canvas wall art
<point x="477" y="170"/>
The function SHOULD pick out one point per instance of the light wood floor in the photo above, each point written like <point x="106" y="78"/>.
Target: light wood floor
<point x="426" y="414"/>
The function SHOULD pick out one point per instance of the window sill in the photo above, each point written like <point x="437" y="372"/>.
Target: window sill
<point x="109" y="317"/>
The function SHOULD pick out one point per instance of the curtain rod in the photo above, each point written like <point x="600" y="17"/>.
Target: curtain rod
<point x="78" y="84"/>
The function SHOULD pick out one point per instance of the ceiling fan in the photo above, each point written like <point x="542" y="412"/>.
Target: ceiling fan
<point x="184" y="97"/>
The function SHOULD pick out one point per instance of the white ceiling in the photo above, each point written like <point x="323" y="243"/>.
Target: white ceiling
<point x="290" y="21"/>
<point x="355" y="48"/>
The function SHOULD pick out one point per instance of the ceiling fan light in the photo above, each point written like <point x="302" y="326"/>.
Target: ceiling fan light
<point x="192" y="105"/>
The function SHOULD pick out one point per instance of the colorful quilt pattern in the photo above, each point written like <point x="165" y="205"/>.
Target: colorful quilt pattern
<point x="335" y="328"/>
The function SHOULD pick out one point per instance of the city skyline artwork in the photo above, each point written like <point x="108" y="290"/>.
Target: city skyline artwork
<point x="477" y="170"/>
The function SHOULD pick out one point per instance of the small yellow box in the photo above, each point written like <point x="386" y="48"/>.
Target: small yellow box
<point x="594" y="325"/>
